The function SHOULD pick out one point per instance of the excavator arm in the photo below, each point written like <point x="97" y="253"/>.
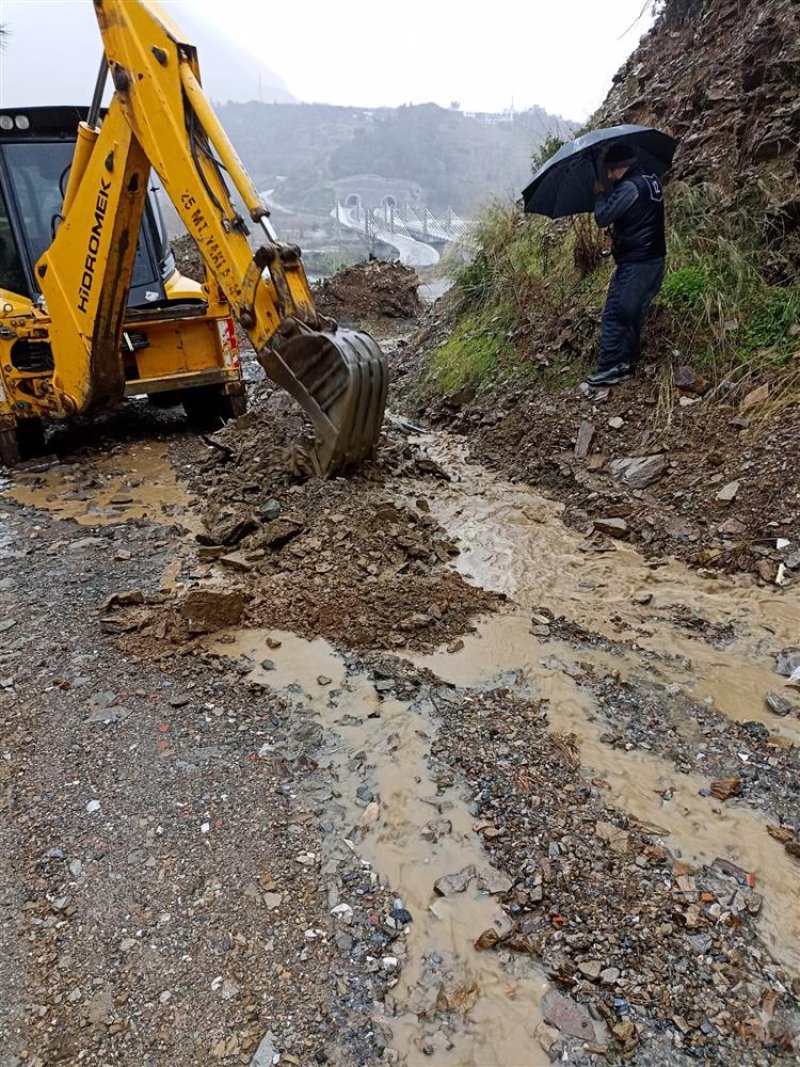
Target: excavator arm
<point x="160" y="118"/>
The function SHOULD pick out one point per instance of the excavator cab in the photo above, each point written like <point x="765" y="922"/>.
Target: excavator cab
<point x="178" y="341"/>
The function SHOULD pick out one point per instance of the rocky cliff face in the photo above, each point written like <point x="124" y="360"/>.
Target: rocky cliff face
<point x="724" y="77"/>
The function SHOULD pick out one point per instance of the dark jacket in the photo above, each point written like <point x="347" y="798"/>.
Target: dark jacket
<point x="635" y="211"/>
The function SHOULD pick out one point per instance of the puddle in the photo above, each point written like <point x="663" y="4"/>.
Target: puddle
<point x="514" y="542"/>
<point x="501" y="1008"/>
<point x="137" y="482"/>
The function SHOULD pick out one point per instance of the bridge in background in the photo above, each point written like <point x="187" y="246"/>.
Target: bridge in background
<point x="416" y="233"/>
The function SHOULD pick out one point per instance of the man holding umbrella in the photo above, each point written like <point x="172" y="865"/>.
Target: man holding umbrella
<point x="634" y="209"/>
<point x="633" y="158"/>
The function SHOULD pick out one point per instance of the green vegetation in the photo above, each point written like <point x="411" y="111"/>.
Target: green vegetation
<point x="537" y="288"/>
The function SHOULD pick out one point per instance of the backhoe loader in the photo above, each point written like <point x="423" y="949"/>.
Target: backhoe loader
<point x="92" y="308"/>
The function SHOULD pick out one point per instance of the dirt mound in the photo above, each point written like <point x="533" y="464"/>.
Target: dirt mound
<point x="367" y="291"/>
<point x="357" y="560"/>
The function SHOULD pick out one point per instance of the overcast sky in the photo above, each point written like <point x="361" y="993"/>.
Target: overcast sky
<point x="560" y="54"/>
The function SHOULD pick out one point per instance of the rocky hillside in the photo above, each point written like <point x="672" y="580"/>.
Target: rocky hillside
<point x="724" y="77"/>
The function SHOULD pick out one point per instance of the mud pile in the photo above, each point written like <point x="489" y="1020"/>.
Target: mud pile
<point x="724" y="77"/>
<point x="187" y="258"/>
<point x="369" y="291"/>
<point x="340" y="559"/>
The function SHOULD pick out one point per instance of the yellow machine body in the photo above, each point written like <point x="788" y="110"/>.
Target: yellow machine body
<point x="93" y="348"/>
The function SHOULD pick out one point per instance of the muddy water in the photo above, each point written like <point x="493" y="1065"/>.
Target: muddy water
<point x="498" y="1008"/>
<point x="514" y="542"/>
<point x="137" y="482"/>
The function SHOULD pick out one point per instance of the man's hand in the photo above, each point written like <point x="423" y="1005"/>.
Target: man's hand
<point x="599" y="188"/>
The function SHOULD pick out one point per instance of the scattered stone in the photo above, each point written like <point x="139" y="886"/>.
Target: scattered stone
<point x="616" y="837"/>
<point x="93" y="806"/>
<point x="85" y="542"/>
<point x="725" y="788"/>
<point x="778" y="705"/>
<point x="788" y="662"/>
<point x="616" y="423"/>
<point x="643" y="598"/>
<point x="269" y="510"/>
<point x="451" y="884"/>
<point x="229" y="531"/>
<point x="547" y="1037"/>
<point x="638" y="472"/>
<point x="567" y="1015"/>
<point x="591" y="969"/>
<point x="266" y="1054"/>
<point x="206" y="610"/>
<point x="727" y="493"/>
<point x="583" y="441"/>
<point x="612" y="527"/>
<point x="755" y="396"/>
<point x="323" y="679"/>
<point x="125" y="599"/>
<point x="689" y="381"/>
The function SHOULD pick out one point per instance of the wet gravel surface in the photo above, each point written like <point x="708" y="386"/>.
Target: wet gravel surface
<point x="176" y="884"/>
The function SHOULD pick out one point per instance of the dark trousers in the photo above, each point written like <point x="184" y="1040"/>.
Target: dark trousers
<point x="630" y="294"/>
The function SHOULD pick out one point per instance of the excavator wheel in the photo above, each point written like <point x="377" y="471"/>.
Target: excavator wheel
<point x="209" y="407"/>
<point x="25" y="441"/>
<point x="340" y="379"/>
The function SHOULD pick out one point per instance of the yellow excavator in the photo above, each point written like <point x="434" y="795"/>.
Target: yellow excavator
<point x="92" y="308"/>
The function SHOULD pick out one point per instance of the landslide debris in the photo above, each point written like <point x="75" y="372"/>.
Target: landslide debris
<point x="724" y="77"/>
<point x="339" y="559"/>
<point x="663" y="951"/>
<point x="369" y="291"/>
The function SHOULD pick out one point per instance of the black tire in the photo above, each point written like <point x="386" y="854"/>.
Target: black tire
<point x="208" y="407"/>
<point x="26" y="441"/>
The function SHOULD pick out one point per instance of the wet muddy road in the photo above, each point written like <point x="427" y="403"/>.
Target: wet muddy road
<point x="652" y="680"/>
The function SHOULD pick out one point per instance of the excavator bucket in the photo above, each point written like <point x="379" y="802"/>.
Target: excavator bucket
<point x="340" y="380"/>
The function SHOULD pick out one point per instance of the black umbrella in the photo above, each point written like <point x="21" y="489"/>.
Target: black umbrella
<point x="565" y="184"/>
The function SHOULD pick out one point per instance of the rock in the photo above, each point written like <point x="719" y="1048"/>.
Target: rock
<point x="269" y="510"/>
<point x="6" y="625"/>
<point x="584" y="439"/>
<point x="365" y="794"/>
<point x="788" y="662"/>
<point x="230" y="990"/>
<point x="488" y="939"/>
<point x="450" y="884"/>
<point x="617" y="838"/>
<point x="84" y="543"/>
<point x="206" y="610"/>
<point x="724" y="788"/>
<point x="727" y="493"/>
<point x="793" y="848"/>
<point x="323" y="679"/>
<point x="609" y="975"/>
<point x="616" y="423"/>
<point x="266" y="1054"/>
<point x="494" y="882"/>
<point x="612" y="527"/>
<point x="272" y="900"/>
<point x="638" y="472"/>
<point x="731" y="528"/>
<point x="755" y="396"/>
<point x="643" y="598"/>
<point x="235" y="561"/>
<point x="267" y="665"/>
<point x="125" y="599"/>
<point x="100" y="1007"/>
<point x="689" y="381"/>
<point x="547" y="1037"/>
<point x="93" y="806"/>
<point x="279" y="533"/>
<point x="778" y="705"/>
<point x="109" y="716"/>
<point x="567" y="1015"/>
<point x="229" y="531"/>
<point x="591" y="969"/>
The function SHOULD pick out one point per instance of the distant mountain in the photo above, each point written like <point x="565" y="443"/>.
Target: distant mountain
<point x="52" y="53"/>
<point x="459" y="160"/>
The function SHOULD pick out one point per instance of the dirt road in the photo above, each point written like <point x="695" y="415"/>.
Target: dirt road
<point x="394" y="769"/>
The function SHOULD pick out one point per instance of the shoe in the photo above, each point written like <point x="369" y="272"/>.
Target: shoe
<point x="612" y="376"/>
